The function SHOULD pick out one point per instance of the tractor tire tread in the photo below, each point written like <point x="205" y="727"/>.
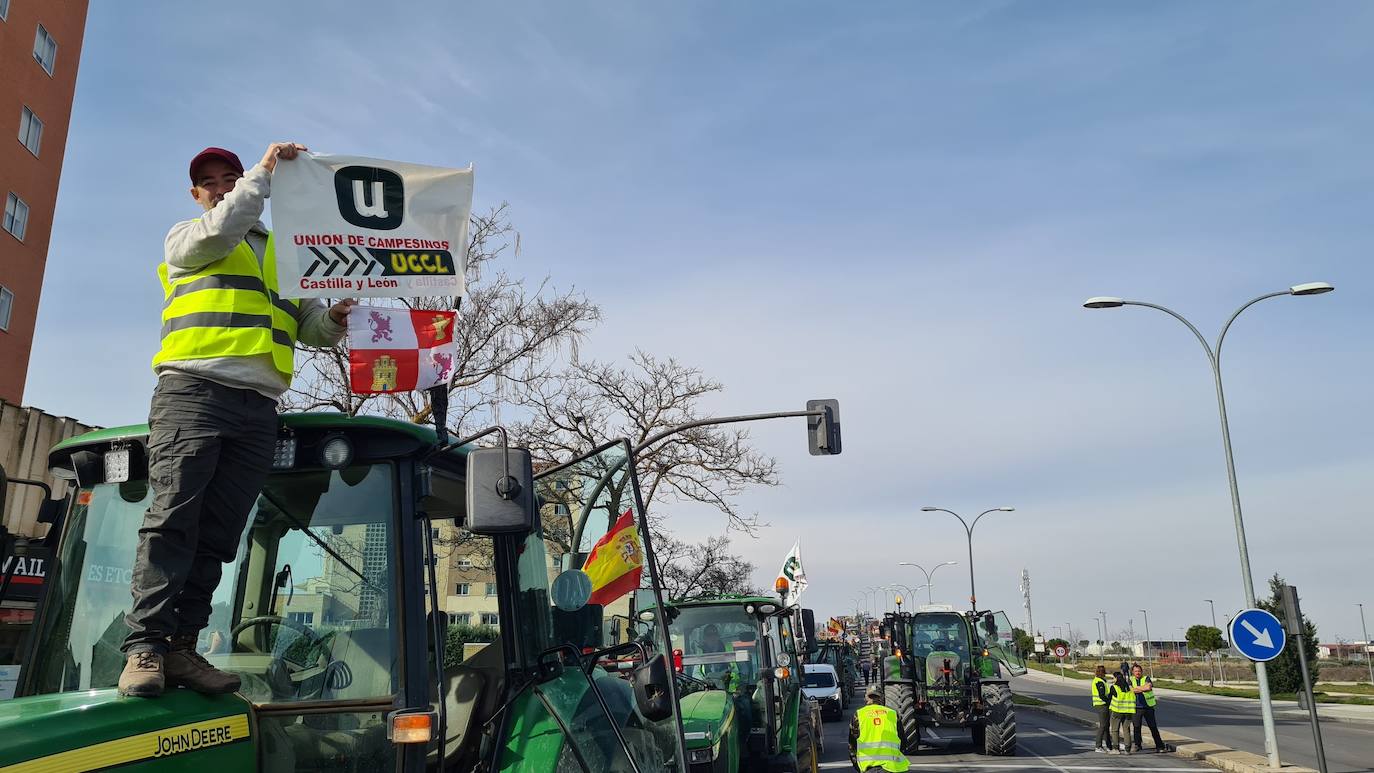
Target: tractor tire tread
<point x="999" y="734"/>
<point x="901" y="698"/>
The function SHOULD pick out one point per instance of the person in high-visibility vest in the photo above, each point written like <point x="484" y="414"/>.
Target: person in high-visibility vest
<point x="875" y="736"/>
<point x="226" y="357"/>
<point x="1123" y="708"/>
<point x="1145" y="702"/>
<point x="1102" y="699"/>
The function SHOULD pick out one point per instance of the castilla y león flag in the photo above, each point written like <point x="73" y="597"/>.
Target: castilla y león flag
<point x="397" y="350"/>
<point x="616" y="562"/>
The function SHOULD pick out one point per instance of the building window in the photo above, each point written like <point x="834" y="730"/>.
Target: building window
<point x="464" y="563"/>
<point x="460" y="618"/>
<point x="4" y="9"/>
<point x="491" y="589"/>
<point x="304" y="618"/>
<point x="488" y="618"/>
<point x="16" y="216"/>
<point x="462" y="589"/>
<point x="6" y="307"/>
<point x="30" y="130"/>
<point x="45" y="49"/>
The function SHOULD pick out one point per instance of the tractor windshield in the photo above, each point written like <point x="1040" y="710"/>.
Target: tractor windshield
<point x="577" y="575"/>
<point x="939" y="645"/>
<point x="305" y="612"/>
<point x="719" y="645"/>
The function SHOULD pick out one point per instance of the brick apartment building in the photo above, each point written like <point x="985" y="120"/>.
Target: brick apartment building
<point x="40" y="47"/>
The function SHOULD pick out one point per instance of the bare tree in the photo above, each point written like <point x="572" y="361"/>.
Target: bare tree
<point x="508" y="334"/>
<point x="705" y="569"/>
<point x="587" y="404"/>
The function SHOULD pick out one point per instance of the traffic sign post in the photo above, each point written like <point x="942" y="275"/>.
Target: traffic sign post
<point x="1293" y="614"/>
<point x="1257" y="635"/>
<point x="1061" y="652"/>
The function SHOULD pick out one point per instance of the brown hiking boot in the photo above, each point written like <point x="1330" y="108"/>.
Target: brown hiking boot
<point x="142" y="676"/>
<point x="187" y="668"/>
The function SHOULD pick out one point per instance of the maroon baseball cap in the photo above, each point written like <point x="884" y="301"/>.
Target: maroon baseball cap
<point x="220" y="154"/>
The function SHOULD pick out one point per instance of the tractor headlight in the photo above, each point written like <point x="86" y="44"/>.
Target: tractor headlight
<point x="336" y="452"/>
<point x="703" y="756"/>
<point x="117" y="465"/>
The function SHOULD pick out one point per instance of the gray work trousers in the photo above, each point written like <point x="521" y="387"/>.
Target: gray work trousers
<point x="209" y="451"/>
<point x="1104" y="727"/>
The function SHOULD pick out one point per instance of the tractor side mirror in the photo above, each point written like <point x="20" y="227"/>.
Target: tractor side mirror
<point x="990" y="624"/>
<point x="652" y="696"/>
<point x="500" y="491"/>
<point x="823" y="429"/>
<point x="809" y="631"/>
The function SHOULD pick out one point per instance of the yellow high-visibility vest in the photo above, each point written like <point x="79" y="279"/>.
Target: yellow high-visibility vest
<point x="1097" y="698"/>
<point x="229" y="308"/>
<point x="1149" y="696"/>
<point x="1123" y="701"/>
<point x="879" y="746"/>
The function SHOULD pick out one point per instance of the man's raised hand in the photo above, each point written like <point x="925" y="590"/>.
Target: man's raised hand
<point x="286" y="150"/>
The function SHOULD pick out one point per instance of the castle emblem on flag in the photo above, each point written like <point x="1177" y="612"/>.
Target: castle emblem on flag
<point x="384" y="373"/>
<point x="441" y="324"/>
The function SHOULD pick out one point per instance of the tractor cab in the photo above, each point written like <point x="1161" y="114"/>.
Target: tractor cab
<point x="330" y="614"/>
<point x="738" y="663"/>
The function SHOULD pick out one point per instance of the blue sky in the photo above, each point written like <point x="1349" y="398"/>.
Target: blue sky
<point x="898" y="205"/>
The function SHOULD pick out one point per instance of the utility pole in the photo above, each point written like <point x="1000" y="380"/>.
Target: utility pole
<point x="1365" y="631"/>
<point x="1025" y="596"/>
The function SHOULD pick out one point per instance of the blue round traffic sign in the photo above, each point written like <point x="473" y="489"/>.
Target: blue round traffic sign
<point x="1257" y="635"/>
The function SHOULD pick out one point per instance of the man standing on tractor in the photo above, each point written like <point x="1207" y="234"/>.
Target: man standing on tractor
<point x="227" y="355"/>
<point x="875" y="739"/>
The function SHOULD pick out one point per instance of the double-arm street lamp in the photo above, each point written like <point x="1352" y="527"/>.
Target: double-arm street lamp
<point x="1214" y="358"/>
<point x="968" y="529"/>
<point x="929" y="583"/>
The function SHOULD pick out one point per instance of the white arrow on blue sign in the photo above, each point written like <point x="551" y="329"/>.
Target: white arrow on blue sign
<point x="1257" y="635"/>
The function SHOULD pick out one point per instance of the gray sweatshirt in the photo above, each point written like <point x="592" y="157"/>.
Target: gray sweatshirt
<point x="193" y="244"/>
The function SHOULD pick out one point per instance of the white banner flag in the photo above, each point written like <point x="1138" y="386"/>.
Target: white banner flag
<point x="793" y="572"/>
<point x="351" y="227"/>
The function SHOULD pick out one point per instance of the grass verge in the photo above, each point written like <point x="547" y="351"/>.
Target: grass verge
<point x="1026" y="700"/>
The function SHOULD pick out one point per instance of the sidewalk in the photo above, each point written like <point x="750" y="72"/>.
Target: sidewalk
<point x="1216" y="755"/>
<point x="1335" y="712"/>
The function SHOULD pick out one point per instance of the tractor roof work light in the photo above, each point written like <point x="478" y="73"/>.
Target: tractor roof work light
<point x="336" y="452"/>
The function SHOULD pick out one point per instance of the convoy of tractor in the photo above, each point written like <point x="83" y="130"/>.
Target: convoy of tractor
<point x="596" y="676"/>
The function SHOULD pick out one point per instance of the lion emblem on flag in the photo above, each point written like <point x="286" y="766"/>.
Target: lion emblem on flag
<point x="380" y="324"/>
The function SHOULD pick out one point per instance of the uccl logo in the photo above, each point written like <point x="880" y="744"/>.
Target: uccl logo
<point x="370" y="197"/>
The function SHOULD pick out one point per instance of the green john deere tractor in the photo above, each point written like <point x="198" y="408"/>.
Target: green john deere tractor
<point x="331" y="615"/>
<point x="949" y="669"/>
<point x="738" y="662"/>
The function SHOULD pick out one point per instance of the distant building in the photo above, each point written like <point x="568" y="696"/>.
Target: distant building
<point x="1158" y="649"/>
<point x="1344" y="650"/>
<point x="40" y="47"/>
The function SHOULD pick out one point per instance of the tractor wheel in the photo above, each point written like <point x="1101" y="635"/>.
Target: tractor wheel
<point x="999" y="734"/>
<point x="808" y="758"/>
<point x="901" y="698"/>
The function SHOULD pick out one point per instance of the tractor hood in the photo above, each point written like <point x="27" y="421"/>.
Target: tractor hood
<point x="99" y="729"/>
<point x="704" y="716"/>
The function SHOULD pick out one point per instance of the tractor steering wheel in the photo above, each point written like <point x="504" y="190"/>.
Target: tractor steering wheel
<point x="302" y="679"/>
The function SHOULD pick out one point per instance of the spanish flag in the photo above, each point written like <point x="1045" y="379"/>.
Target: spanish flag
<point x="616" y="562"/>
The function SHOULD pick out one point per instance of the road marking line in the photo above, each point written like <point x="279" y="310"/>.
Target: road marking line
<point x="1031" y="766"/>
<point x="1076" y="744"/>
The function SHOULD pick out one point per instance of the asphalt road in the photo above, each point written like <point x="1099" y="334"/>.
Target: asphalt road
<point x="1234" y="723"/>
<point x="1045" y="744"/>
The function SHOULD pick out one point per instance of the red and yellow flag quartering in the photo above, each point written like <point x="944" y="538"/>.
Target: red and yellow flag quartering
<point x="616" y="561"/>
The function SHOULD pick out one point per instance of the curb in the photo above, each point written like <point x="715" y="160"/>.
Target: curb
<point x="1216" y="755"/>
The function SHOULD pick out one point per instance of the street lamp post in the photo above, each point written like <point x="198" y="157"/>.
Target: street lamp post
<point x="929" y="582"/>
<point x="1271" y="746"/>
<point x="968" y="529"/>
<point x="1210" y="659"/>
<point x="1365" y="631"/>
<point x="1147" y="644"/>
<point x="1101" y="642"/>
<point x="1105" y="633"/>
